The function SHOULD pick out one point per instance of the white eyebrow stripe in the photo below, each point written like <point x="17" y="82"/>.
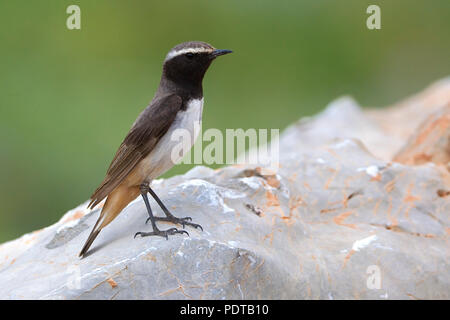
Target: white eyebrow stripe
<point x="173" y="54"/>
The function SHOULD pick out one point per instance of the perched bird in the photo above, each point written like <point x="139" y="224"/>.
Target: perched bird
<point x="146" y="151"/>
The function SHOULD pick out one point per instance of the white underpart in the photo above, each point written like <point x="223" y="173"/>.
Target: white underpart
<point x="160" y="160"/>
<point x="175" y="53"/>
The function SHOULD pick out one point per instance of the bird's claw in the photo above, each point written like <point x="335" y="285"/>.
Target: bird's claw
<point x="182" y="221"/>
<point x="162" y="233"/>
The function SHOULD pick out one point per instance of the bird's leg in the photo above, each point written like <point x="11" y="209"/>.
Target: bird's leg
<point x="169" y="216"/>
<point x="156" y="232"/>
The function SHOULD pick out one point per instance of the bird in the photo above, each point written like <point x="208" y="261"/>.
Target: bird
<point x="146" y="151"/>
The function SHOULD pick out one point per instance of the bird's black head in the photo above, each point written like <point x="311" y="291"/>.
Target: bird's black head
<point x="187" y="62"/>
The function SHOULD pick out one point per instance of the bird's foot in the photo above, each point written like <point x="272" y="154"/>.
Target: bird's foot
<point x="161" y="233"/>
<point x="183" y="221"/>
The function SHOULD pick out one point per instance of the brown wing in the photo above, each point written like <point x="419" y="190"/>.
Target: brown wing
<point x="150" y="126"/>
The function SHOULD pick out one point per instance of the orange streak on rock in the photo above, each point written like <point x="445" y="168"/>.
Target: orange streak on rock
<point x="327" y="184"/>
<point x="376" y="178"/>
<point x="412" y="296"/>
<point x="112" y="283"/>
<point x="393" y="220"/>
<point x="272" y="200"/>
<point x="377" y="205"/>
<point x="271" y="234"/>
<point x="409" y="197"/>
<point x="334" y="154"/>
<point x="30" y="240"/>
<point x="288" y="220"/>
<point x="294" y="203"/>
<point x="339" y="220"/>
<point x="150" y="257"/>
<point x="390" y="186"/>
<point x="77" y="215"/>
<point x="347" y="257"/>
<point x="273" y="181"/>
<point x="307" y="186"/>
<point x="441" y="123"/>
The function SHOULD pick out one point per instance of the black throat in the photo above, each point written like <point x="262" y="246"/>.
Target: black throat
<point x="187" y="90"/>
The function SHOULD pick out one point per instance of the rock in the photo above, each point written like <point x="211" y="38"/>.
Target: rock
<point x="431" y="142"/>
<point x="400" y="121"/>
<point x="338" y="220"/>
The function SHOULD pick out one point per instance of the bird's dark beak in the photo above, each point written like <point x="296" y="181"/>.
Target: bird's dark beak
<point x="219" y="52"/>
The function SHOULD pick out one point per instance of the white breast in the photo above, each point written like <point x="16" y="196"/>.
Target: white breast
<point x="160" y="159"/>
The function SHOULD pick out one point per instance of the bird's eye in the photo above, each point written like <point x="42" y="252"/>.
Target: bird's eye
<point x="189" y="55"/>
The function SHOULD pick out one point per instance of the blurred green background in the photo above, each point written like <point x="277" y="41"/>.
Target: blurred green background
<point x="69" y="97"/>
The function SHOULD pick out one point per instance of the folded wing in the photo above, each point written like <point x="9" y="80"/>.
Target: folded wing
<point x="150" y="126"/>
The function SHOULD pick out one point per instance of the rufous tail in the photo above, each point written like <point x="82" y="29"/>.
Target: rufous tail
<point x="114" y="204"/>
